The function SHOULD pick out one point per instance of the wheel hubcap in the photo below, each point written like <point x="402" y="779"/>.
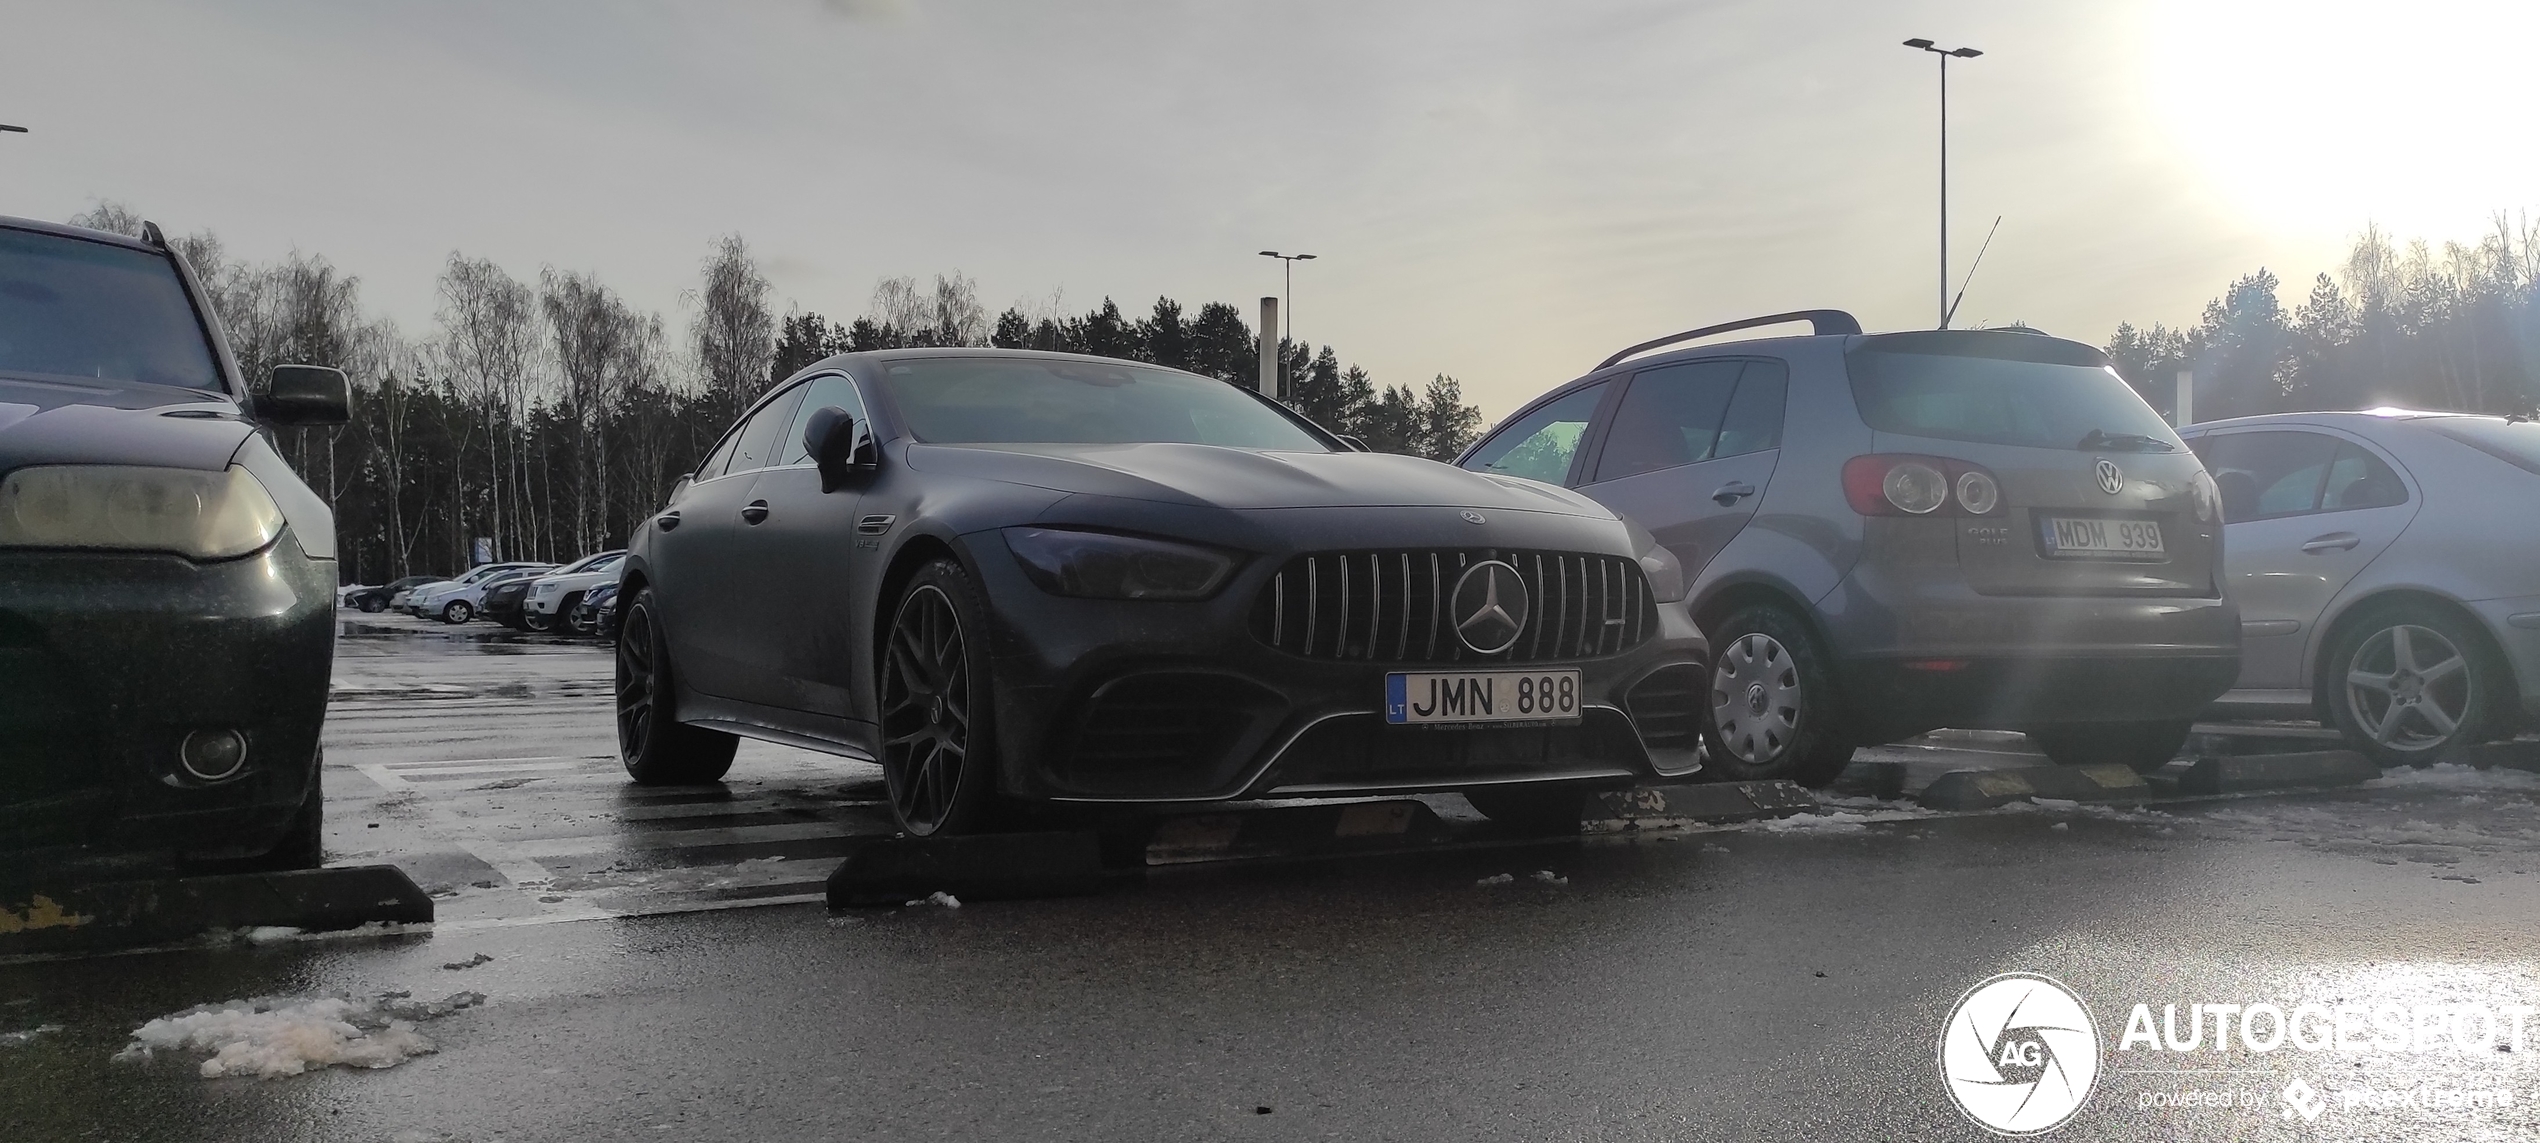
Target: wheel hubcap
<point x="2409" y="688"/>
<point x="1755" y="698"/>
<point x="925" y="710"/>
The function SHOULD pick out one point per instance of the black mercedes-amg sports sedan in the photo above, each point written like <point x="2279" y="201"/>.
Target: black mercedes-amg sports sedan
<point x="1018" y="577"/>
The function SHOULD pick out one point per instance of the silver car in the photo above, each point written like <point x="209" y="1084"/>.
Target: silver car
<point x="2387" y="567"/>
<point x="1896" y="532"/>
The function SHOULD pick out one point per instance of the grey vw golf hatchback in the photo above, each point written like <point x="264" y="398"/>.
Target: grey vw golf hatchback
<point x="1890" y="533"/>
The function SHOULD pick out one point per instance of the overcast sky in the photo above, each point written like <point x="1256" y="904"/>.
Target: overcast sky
<point x="1504" y="190"/>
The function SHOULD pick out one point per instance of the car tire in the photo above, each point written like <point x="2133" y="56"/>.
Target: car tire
<point x="1772" y="711"/>
<point x="1534" y="807"/>
<point x="656" y="747"/>
<point x="939" y="753"/>
<point x="373" y="605"/>
<point x="457" y="611"/>
<point x="2144" y="746"/>
<point x="535" y="621"/>
<point x="2410" y="683"/>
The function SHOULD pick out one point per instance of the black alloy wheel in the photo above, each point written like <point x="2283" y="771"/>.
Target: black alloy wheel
<point x="658" y="750"/>
<point x="938" y="753"/>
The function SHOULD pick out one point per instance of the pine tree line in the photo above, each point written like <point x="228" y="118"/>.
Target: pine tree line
<point x="2456" y="329"/>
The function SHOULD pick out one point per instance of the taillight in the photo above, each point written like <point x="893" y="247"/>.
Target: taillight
<point x="1903" y="484"/>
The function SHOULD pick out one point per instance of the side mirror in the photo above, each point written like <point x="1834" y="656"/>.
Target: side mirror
<point x="305" y="395"/>
<point x="840" y="446"/>
<point x="1354" y="442"/>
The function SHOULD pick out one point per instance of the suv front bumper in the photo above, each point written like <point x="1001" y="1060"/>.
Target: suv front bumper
<point x="108" y="661"/>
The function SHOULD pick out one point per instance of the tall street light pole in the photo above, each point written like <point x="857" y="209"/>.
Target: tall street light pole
<point x="1287" y="299"/>
<point x="1944" y="54"/>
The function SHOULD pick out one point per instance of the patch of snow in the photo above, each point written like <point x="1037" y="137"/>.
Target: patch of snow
<point x="471" y="962"/>
<point x="273" y="1036"/>
<point x="2455" y="776"/>
<point x="938" y="897"/>
<point x="1840" y="821"/>
<point x="2061" y="826"/>
<point x="22" y="1039"/>
<point x="1494" y="880"/>
<point x="1548" y="877"/>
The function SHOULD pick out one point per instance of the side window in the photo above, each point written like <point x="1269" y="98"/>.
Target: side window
<point x="1539" y="445"/>
<point x="1754" y="421"/>
<point x="1670" y="416"/>
<point x="758" y="440"/>
<point x="825" y="391"/>
<point x="2264" y="475"/>
<point x="2358" y="479"/>
<point x="720" y="458"/>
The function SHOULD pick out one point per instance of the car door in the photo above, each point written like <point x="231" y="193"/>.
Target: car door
<point x="1690" y="450"/>
<point x="701" y="561"/>
<point x="809" y="552"/>
<point x="2304" y="510"/>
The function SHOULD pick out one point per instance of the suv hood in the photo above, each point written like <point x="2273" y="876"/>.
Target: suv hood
<point x="53" y="422"/>
<point x="1214" y="476"/>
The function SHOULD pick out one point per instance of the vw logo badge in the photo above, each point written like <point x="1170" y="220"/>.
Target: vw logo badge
<point x="1472" y="517"/>
<point x="1489" y="607"/>
<point x="2111" y="480"/>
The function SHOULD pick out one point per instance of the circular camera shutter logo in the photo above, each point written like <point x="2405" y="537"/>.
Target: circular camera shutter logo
<point x="2019" y="1054"/>
<point x="1489" y="607"/>
<point x="2111" y="479"/>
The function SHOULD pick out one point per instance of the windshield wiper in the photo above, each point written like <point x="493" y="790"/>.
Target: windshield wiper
<point x="2102" y="438"/>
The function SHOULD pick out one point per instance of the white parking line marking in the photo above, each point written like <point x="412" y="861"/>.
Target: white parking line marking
<point x="678" y="839"/>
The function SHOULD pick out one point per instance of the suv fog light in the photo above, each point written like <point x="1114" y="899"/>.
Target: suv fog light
<point x="212" y="755"/>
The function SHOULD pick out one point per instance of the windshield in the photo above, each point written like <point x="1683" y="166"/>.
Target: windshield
<point x="1022" y="400"/>
<point x="2515" y="442"/>
<point x="592" y="563"/>
<point x="71" y="308"/>
<point x="2013" y="389"/>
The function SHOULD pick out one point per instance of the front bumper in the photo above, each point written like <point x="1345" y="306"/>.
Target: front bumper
<point x="1104" y="701"/>
<point x="107" y="662"/>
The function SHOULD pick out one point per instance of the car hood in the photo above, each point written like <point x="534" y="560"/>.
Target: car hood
<point x="1209" y="475"/>
<point x="49" y="422"/>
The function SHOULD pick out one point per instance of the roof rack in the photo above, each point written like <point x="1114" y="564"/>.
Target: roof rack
<point x="1821" y="322"/>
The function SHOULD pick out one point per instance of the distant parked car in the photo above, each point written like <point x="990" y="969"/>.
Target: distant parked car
<point x="376" y="599"/>
<point x="2387" y="566"/>
<point x="503" y="602"/>
<point x="1890" y="533"/>
<point x="597" y="613"/>
<point x="468" y="601"/>
<point x="553" y="597"/>
<point x="457" y="601"/>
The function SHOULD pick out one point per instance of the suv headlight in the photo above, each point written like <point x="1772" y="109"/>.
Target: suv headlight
<point x="1103" y="565"/>
<point x="200" y="515"/>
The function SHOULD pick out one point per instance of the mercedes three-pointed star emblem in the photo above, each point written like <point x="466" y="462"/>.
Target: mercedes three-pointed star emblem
<point x="1490" y="606"/>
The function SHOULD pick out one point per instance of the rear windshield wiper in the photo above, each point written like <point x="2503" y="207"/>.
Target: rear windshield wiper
<point x="2137" y="442"/>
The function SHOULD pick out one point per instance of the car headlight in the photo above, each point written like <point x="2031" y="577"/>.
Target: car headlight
<point x="200" y="515"/>
<point x="1104" y="565"/>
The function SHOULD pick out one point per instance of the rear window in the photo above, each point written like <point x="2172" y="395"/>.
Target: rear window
<point x="2515" y="442"/>
<point x="2001" y="388"/>
<point x="71" y="308"/>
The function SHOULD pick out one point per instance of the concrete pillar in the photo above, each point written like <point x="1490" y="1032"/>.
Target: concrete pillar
<point x="1270" y="348"/>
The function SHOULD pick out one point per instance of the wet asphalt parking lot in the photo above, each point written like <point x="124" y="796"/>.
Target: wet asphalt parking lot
<point x="655" y="963"/>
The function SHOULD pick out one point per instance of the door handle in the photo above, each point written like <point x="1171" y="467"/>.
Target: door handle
<point x="666" y="521"/>
<point x="1732" y="492"/>
<point x="754" y="512"/>
<point x="2332" y="542"/>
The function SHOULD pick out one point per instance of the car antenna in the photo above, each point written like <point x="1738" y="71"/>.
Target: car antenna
<point x="1971" y="273"/>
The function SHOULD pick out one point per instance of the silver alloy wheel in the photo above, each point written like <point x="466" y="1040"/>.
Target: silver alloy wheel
<point x="2409" y="688"/>
<point x="1755" y="699"/>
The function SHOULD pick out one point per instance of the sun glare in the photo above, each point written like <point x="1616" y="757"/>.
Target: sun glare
<point x="2314" y="113"/>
